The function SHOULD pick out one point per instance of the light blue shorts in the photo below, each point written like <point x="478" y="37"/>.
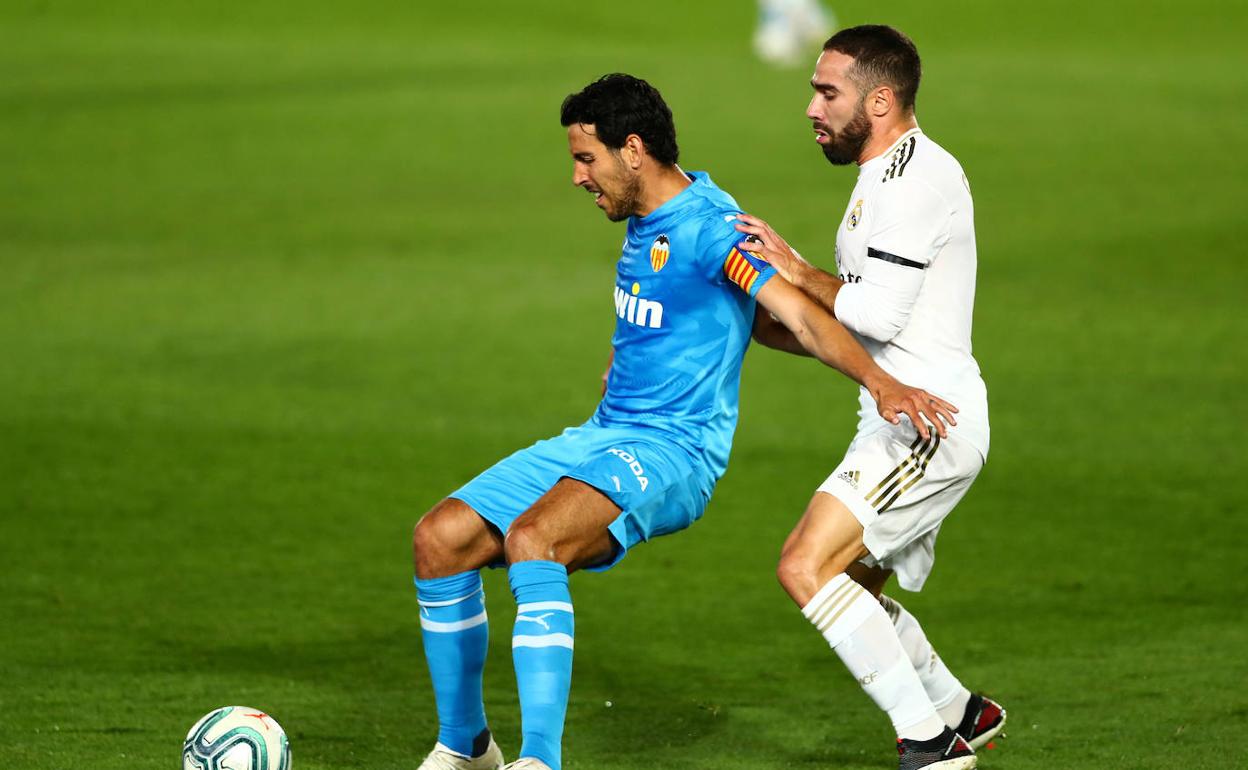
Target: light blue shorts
<point x="657" y="485"/>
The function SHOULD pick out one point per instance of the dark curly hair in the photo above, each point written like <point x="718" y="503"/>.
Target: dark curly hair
<point x="618" y="105"/>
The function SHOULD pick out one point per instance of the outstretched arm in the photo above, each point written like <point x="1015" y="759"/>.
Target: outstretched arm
<point x="831" y="343"/>
<point x="769" y="332"/>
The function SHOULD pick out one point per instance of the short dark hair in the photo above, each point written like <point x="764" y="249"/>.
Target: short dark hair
<point x="619" y="105"/>
<point x="883" y="56"/>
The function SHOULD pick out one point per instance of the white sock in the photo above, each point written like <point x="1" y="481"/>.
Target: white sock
<point x="943" y="688"/>
<point x="862" y="634"/>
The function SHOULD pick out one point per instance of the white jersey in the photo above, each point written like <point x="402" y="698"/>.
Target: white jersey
<point x="906" y="250"/>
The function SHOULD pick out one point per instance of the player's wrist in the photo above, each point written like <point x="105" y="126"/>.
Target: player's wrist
<point x="803" y="274"/>
<point x="876" y="381"/>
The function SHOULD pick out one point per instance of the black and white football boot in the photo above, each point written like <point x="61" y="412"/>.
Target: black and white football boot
<point x="946" y="751"/>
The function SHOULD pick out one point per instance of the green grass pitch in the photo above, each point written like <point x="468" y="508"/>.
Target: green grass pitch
<point x="276" y="276"/>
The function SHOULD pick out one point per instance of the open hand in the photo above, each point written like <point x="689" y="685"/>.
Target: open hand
<point x="896" y="399"/>
<point x="768" y="244"/>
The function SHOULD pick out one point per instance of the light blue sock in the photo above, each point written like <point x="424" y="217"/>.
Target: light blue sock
<point x="456" y="634"/>
<point x="541" y="646"/>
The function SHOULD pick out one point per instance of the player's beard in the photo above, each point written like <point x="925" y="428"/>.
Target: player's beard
<point x="845" y="146"/>
<point x="623" y="205"/>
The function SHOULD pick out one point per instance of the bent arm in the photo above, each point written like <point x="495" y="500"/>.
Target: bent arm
<point x="910" y="229"/>
<point x="878" y="306"/>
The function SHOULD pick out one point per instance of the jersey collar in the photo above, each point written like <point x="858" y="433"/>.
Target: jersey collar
<point x="912" y="132"/>
<point x="674" y="207"/>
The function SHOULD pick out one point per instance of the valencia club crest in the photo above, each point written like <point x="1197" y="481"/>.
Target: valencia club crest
<point x="660" y="250"/>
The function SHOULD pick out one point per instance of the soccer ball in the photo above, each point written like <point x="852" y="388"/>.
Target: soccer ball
<point x="236" y="738"/>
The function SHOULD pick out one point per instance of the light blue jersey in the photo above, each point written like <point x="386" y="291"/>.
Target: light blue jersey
<point x="660" y="438"/>
<point x="684" y="297"/>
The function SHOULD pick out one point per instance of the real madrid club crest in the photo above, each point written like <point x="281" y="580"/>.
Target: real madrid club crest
<point x="855" y="216"/>
<point x="660" y="250"/>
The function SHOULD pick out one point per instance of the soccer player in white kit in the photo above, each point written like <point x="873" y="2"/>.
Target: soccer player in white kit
<point x="905" y="285"/>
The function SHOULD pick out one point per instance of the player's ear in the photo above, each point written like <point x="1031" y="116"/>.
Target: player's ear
<point x="881" y="101"/>
<point x="632" y="151"/>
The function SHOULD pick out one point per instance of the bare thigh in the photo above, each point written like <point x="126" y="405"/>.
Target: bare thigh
<point x="568" y="525"/>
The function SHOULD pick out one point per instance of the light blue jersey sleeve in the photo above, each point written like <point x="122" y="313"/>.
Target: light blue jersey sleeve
<point x="725" y="263"/>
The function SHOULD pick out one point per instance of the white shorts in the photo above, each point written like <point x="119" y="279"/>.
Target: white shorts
<point x="900" y="488"/>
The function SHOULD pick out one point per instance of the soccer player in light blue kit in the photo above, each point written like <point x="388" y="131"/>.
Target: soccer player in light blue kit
<point x="646" y="462"/>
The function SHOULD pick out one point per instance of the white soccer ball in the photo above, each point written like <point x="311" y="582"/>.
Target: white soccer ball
<point x="236" y="738"/>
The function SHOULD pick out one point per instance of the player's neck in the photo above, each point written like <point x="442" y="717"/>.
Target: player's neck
<point x="881" y="141"/>
<point x="666" y="183"/>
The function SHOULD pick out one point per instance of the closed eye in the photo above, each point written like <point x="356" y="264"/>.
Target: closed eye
<point x="827" y="90"/>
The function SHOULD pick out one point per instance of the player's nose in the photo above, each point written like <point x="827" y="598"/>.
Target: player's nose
<point x="811" y="112"/>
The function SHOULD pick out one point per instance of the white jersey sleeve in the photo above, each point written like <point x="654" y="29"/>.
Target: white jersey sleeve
<point x="910" y="227"/>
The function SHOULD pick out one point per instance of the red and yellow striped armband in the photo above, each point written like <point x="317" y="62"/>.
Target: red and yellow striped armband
<point x="743" y="268"/>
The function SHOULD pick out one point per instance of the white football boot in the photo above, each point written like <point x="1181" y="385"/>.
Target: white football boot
<point x="527" y="763"/>
<point x="442" y="758"/>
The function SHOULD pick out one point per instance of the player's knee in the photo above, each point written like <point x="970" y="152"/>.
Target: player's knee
<point x="798" y="576"/>
<point x="424" y="544"/>
<point x="433" y="542"/>
<point x="528" y="541"/>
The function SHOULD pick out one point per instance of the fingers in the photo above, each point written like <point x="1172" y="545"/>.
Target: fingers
<point x="924" y="410"/>
<point x="770" y="246"/>
<point x="945" y="415"/>
<point x="756" y="227"/>
<point x="769" y="253"/>
<point x="757" y="234"/>
<point x="935" y="410"/>
<point x="932" y="416"/>
<point x="939" y="411"/>
<point x="919" y="424"/>
<point x="754" y="240"/>
<point x="755" y="247"/>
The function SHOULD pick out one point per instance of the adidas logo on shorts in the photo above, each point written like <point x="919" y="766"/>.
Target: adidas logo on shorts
<point x="849" y="477"/>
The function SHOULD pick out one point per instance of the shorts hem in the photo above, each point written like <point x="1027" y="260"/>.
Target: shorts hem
<point x="855" y="502"/>
<point x="478" y="509"/>
<point x="583" y="478"/>
<point x="615" y="529"/>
